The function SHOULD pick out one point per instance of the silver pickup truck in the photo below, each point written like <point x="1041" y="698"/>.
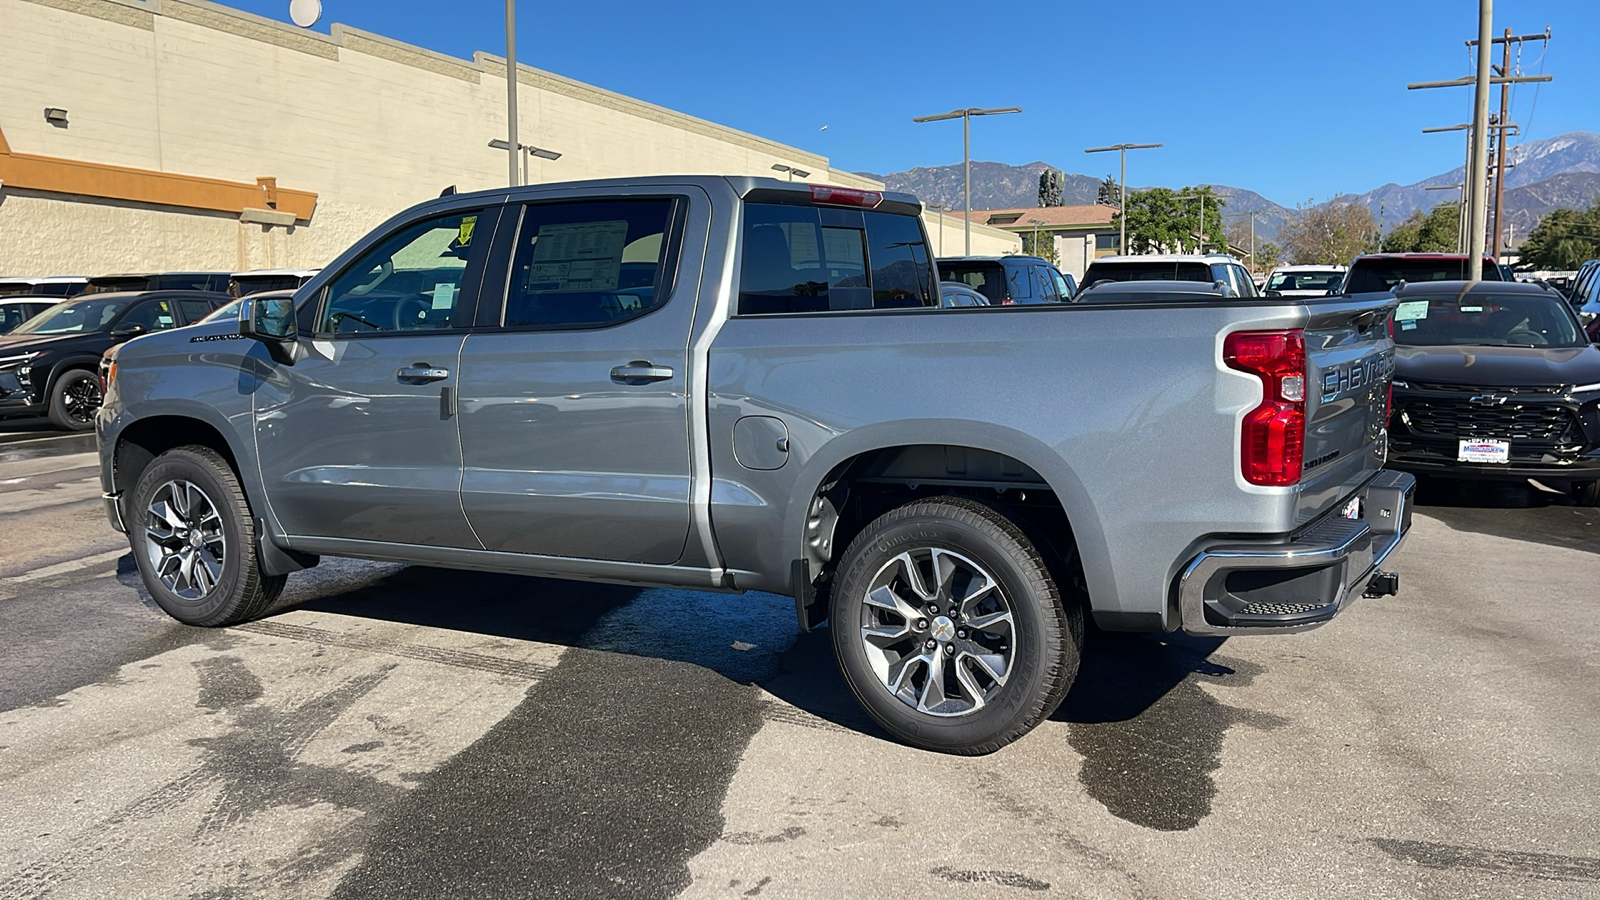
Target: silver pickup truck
<point x="738" y="384"/>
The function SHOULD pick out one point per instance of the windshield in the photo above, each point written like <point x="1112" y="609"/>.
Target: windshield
<point x="75" y="316"/>
<point x="1148" y="271"/>
<point x="1485" y="319"/>
<point x="1328" y="280"/>
<point x="225" y="311"/>
<point x="987" y="278"/>
<point x="1381" y="274"/>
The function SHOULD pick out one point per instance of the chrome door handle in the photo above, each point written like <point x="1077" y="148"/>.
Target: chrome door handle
<point x="422" y="372"/>
<point x="640" y="372"/>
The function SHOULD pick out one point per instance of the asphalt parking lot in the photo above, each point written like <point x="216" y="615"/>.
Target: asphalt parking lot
<point x="406" y="732"/>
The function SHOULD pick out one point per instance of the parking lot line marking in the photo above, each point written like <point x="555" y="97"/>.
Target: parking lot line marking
<point x="71" y="565"/>
<point x="458" y="658"/>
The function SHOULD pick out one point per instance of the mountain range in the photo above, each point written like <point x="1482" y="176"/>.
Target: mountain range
<point x="1544" y="175"/>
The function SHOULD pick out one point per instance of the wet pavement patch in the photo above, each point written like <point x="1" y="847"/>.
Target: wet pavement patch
<point x="603" y="782"/>
<point x="1544" y="866"/>
<point x="1149" y="735"/>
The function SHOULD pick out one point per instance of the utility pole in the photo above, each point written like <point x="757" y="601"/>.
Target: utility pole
<point x="1477" y="170"/>
<point x="1122" y="188"/>
<point x="1504" y="71"/>
<point x="965" y="115"/>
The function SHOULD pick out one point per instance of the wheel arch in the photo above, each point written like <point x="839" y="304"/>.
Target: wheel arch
<point x="911" y="451"/>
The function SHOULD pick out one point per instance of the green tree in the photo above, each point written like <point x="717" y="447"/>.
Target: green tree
<point x="1044" y="247"/>
<point x="1161" y="220"/>
<point x="1110" y="193"/>
<point x="1268" y="257"/>
<point x="1331" y="234"/>
<point x="1563" y="239"/>
<point x="1436" y="231"/>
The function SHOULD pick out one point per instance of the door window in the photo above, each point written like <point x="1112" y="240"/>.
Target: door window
<point x="154" y="315"/>
<point x="1019" y="283"/>
<point x="818" y="259"/>
<point x="1062" y="286"/>
<point x="1047" y="286"/>
<point x="195" y="310"/>
<point x="411" y="281"/>
<point x="588" y="264"/>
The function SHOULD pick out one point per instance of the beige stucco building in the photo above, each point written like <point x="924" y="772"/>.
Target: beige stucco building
<point x="189" y="135"/>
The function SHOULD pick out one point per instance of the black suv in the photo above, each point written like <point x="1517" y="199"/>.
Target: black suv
<point x="1493" y="380"/>
<point x="1009" y="280"/>
<point x="48" y="365"/>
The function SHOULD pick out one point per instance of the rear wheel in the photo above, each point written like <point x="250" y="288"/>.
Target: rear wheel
<point x="1587" y="493"/>
<point x="949" y="628"/>
<point x="195" y="540"/>
<point x="75" y="399"/>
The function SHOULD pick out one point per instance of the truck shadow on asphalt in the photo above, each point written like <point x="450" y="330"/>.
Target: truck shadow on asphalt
<point x="1513" y="509"/>
<point x="1151" y="737"/>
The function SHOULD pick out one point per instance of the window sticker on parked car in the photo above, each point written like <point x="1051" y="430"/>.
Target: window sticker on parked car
<point x="583" y="256"/>
<point x="1412" y="310"/>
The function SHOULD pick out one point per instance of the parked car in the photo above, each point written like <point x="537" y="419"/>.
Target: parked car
<point x="1156" y="292"/>
<point x="1208" y="267"/>
<point x="1585" y="292"/>
<point x="1305" y="281"/>
<point x="1494" y="380"/>
<point x="48" y="364"/>
<point x="1009" y="280"/>
<point x="1383" y="272"/>
<point x="57" y="286"/>
<point x="258" y="280"/>
<point x="955" y="295"/>
<point x="747" y="384"/>
<point x="160" y="281"/>
<point x="16" y="310"/>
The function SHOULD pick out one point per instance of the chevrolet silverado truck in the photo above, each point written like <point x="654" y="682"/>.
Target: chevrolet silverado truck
<point x="740" y="384"/>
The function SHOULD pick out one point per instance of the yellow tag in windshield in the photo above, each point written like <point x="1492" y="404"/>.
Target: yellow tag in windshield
<point x="464" y="234"/>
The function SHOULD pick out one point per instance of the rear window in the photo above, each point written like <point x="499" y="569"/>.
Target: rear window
<point x="1369" y="275"/>
<point x="1147" y="271"/>
<point x="1305" y="281"/>
<point x="987" y="278"/>
<point x="255" y="284"/>
<point x="821" y="259"/>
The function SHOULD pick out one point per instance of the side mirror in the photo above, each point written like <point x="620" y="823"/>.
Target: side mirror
<point x="271" y="321"/>
<point x="127" y="332"/>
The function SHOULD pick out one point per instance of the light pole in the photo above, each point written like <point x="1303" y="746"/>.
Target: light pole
<point x="530" y="151"/>
<point x="939" y="209"/>
<point x="1200" y="233"/>
<point x="1122" y="187"/>
<point x="511" y="90"/>
<point x="791" y="170"/>
<point x="1036" y="223"/>
<point x="965" y="115"/>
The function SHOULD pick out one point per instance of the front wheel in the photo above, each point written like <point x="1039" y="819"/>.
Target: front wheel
<point x="1587" y="493"/>
<point x="195" y="540"/>
<point x="949" y="628"/>
<point x="75" y="399"/>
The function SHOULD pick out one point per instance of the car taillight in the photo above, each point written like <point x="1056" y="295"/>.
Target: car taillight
<point x="1274" y="441"/>
<point x="838" y="196"/>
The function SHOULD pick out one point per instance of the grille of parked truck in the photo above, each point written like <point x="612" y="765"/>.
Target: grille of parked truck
<point x="740" y="384"/>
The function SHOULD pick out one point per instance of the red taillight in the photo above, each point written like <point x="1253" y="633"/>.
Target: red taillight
<point x="838" y="196"/>
<point x="1275" y="432"/>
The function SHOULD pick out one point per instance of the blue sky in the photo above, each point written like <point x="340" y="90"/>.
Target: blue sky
<point x="1296" y="99"/>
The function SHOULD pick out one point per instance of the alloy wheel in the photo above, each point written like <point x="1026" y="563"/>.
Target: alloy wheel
<point x="184" y="540"/>
<point x="82" y="399"/>
<point x="938" y="632"/>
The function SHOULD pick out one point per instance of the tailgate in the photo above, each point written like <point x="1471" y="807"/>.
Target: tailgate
<point x="1350" y="363"/>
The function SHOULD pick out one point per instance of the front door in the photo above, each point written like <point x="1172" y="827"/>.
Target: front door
<point x="574" y="415"/>
<point x="358" y="439"/>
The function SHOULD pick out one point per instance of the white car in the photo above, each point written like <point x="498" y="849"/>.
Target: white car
<point x="1305" y="281"/>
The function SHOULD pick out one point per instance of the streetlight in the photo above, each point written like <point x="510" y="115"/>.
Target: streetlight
<point x="1035" y="223"/>
<point x="791" y="170"/>
<point x="939" y="209"/>
<point x="1122" y="186"/>
<point x="511" y="144"/>
<point x="1200" y="233"/>
<point x="965" y="115"/>
<point x="531" y="151"/>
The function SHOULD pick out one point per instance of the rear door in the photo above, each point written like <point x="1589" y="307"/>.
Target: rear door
<point x="575" y="381"/>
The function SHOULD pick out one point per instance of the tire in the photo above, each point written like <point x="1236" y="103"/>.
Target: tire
<point x="194" y="539"/>
<point x="74" y="400"/>
<point x="882" y="642"/>
<point x="1587" y="493"/>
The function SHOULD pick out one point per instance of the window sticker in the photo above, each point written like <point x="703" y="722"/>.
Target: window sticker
<point x="444" y="295"/>
<point x="1412" y="310"/>
<point x="582" y="256"/>
<point x="1467" y="309"/>
<point x="1408" y="326"/>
